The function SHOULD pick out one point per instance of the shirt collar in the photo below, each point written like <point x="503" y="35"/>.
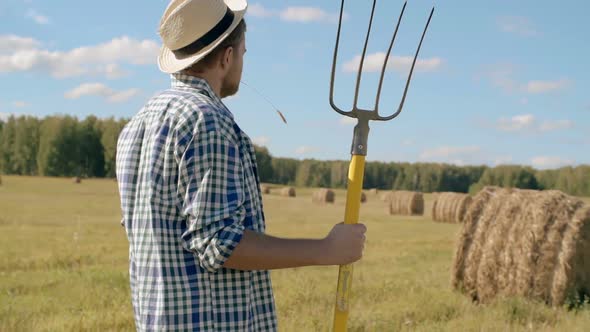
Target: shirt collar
<point x="185" y="81"/>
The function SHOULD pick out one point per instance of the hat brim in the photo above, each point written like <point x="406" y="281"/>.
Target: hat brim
<point x="169" y="63"/>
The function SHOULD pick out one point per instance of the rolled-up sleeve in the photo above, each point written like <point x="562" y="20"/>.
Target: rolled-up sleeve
<point x="211" y="185"/>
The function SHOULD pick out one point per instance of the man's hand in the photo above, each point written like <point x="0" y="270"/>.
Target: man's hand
<point x="344" y="244"/>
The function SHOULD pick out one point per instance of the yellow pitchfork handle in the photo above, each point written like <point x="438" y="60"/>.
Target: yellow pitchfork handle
<point x="351" y="216"/>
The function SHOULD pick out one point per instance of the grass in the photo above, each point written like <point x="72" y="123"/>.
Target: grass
<point x="63" y="267"/>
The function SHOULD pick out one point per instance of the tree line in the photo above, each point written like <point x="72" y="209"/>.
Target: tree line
<point x="67" y="146"/>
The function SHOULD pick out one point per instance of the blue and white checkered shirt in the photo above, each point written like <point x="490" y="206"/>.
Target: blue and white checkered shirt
<point x="189" y="187"/>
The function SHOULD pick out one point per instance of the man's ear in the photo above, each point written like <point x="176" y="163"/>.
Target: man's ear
<point x="227" y="57"/>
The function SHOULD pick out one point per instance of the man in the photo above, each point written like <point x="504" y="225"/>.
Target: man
<point x="190" y="197"/>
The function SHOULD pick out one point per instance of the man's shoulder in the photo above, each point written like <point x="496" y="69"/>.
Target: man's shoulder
<point x="195" y="114"/>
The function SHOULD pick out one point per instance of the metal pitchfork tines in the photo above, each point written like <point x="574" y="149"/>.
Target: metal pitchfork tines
<point x="359" y="151"/>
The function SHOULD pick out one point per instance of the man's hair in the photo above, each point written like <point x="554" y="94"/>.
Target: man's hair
<point x="232" y="40"/>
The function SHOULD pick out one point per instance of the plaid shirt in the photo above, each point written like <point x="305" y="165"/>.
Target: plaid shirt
<point x="189" y="187"/>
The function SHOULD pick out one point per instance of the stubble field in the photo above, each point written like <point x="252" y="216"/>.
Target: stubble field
<point x="63" y="267"/>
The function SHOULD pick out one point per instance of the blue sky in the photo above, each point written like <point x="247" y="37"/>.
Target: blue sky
<point x="497" y="82"/>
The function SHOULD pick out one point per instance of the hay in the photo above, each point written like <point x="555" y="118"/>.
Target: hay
<point x="527" y="243"/>
<point x="323" y="196"/>
<point x="450" y="207"/>
<point x="77" y="179"/>
<point x="405" y="203"/>
<point x="265" y="189"/>
<point x="363" y="197"/>
<point x="288" y="192"/>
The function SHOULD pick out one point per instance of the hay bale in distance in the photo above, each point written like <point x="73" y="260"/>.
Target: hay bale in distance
<point x="405" y="203"/>
<point x="450" y="207"/>
<point x="288" y="192"/>
<point x="323" y="196"/>
<point x="77" y="179"/>
<point x="363" y="197"/>
<point x="265" y="189"/>
<point x="385" y="197"/>
<point x="527" y="243"/>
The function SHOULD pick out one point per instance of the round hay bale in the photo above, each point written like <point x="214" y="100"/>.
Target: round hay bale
<point x="450" y="207"/>
<point x="265" y="189"/>
<point x="323" y="196"/>
<point x="288" y="192"/>
<point x="527" y="243"/>
<point x="385" y="197"/>
<point x="77" y="179"/>
<point x="363" y="197"/>
<point x="405" y="203"/>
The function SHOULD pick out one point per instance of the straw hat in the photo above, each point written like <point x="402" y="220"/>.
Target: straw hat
<point x="191" y="29"/>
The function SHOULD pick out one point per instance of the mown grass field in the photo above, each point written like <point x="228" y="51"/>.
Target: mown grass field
<point x="63" y="267"/>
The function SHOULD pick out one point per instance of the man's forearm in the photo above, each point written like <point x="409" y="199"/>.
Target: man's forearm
<point x="257" y="251"/>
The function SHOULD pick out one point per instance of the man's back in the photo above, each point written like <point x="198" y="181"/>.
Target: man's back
<point x="189" y="188"/>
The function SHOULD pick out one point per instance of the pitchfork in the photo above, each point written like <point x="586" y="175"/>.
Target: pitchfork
<point x="359" y="152"/>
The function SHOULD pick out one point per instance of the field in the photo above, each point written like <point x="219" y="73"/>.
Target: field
<point x="63" y="267"/>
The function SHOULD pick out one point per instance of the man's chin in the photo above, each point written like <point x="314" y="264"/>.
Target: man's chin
<point x="229" y="93"/>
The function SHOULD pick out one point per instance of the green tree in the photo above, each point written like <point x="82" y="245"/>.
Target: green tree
<point x="26" y="145"/>
<point x="6" y="145"/>
<point x="111" y="129"/>
<point x="264" y="163"/>
<point x="91" y="157"/>
<point x="284" y="170"/>
<point x="509" y="176"/>
<point x="59" y="149"/>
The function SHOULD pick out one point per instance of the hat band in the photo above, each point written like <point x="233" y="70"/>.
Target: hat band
<point x="207" y="38"/>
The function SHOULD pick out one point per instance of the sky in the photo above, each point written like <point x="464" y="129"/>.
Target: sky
<point x="496" y="82"/>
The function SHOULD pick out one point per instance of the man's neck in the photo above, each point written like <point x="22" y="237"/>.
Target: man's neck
<point x="211" y="79"/>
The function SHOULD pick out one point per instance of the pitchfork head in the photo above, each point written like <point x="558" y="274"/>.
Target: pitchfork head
<point x="372" y="114"/>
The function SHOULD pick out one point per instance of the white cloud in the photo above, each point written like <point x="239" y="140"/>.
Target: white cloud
<point x="257" y="10"/>
<point x="519" y="25"/>
<point x="112" y="71"/>
<point x="556" y="125"/>
<point x="374" y="63"/>
<point x="99" y="89"/>
<point x="347" y="121"/>
<point x="528" y="122"/>
<point x="306" y="150"/>
<point x="449" y="152"/>
<point x="501" y="76"/>
<point x="294" y="14"/>
<point x="463" y="155"/>
<point x="122" y="96"/>
<point x="516" y="123"/>
<point x="550" y="162"/>
<point x="101" y="59"/>
<point x="20" y="104"/>
<point x="38" y="18"/>
<point x="13" y="43"/>
<point x="546" y="86"/>
<point x="502" y="160"/>
<point x="306" y="14"/>
<point x="261" y="140"/>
